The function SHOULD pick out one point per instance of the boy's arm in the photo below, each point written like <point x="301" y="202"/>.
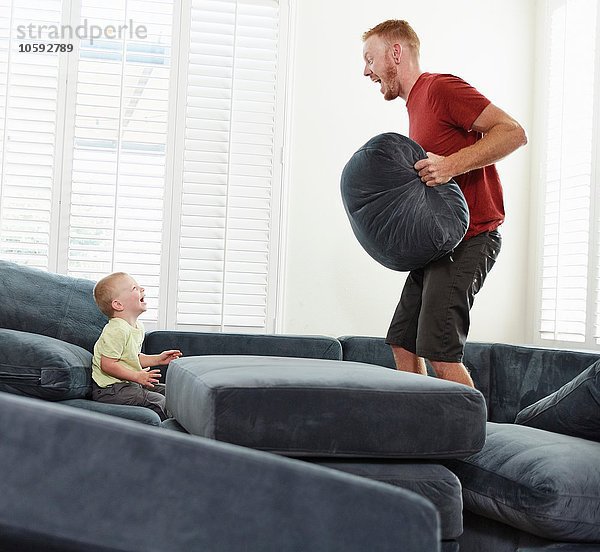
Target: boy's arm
<point x="114" y="368"/>
<point x="157" y="360"/>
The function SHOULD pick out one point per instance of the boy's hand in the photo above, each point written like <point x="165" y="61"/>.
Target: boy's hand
<point x="147" y="377"/>
<point x="167" y="356"/>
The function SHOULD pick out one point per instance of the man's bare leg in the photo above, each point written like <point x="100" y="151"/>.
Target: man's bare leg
<point x="452" y="371"/>
<point x="408" y="362"/>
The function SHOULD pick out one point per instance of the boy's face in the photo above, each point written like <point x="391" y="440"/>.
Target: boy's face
<point x="129" y="297"/>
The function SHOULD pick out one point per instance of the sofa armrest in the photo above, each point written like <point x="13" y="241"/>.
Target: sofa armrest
<point x="110" y="488"/>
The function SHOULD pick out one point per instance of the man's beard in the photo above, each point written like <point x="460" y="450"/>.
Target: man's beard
<point x="390" y="89"/>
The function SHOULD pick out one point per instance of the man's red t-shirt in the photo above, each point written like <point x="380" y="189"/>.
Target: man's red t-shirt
<point x="441" y="111"/>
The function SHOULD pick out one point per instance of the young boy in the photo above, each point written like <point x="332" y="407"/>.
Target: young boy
<point x="121" y="374"/>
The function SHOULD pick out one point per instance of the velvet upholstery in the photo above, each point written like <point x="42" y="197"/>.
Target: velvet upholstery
<point x="563" y="547"/>
<point x="537" y="481"/>
<point x="173" y="425"/>
<point x="49" y="304"/>
<point x="136" y="413"/>
<point x="318" y="407"/>
<point x="402" y="223"/>
<point x="510" y="377"/>
<point x="211" y="343"/>
<point x="482" y="534"/>
<point x="574" y="409"/>
<point x="433" y="481"/>
<point x="89" y="482"/>
<point x="44" y="367"/>
<point x="521" y="375"/>
<point x="370" y="350"/>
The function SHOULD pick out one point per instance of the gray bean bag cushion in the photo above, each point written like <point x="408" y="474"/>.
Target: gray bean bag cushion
<point x="49" y="304"/>
<point x="328" y="408"/>
<point x="402" y="223"/>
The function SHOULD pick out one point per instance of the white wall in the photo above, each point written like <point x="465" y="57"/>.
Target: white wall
<point x="332" y="286"/>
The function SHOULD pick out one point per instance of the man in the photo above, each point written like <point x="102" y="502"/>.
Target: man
<point x="463" y="134"/>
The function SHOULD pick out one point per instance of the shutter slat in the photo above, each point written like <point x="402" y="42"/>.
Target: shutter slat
<point x="28" y="108"/>
<point x="569" y="116"/>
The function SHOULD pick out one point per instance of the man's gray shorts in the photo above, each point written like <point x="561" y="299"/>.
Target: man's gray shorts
<point x="432" y="318"/>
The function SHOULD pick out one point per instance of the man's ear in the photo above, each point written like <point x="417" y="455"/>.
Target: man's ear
<point x="117" y="305"/>
<point x="397" y="52"/>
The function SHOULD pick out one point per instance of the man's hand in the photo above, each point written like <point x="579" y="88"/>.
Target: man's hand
<point x="167" y="356"/>
<point x="147" y="377"/>
<point x="434" y="170"/>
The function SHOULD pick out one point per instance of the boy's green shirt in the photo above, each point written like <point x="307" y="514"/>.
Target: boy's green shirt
<point x="119" y="340"/>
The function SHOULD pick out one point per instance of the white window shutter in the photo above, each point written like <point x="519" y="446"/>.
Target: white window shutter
<point x="120" y="145"/>
<point x="568" y="241"/>
<point x="28" y="110"/>
<point x="161" y="153"/>
<point x="228" y="164"/>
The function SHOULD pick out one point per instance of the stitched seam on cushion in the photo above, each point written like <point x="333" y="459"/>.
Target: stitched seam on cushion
<point x="330" y="347"/>
<point x="544" y="409"/>
<point x="200" y="377"/>
<point x="362" y="390"/>
<point x="520" y="511"/>
<point x="522" y="485"/>
<point x="449" y="454"/>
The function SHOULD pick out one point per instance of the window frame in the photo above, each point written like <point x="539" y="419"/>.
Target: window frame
<point x="63" y="165"/>
<point x="538" y="177"/>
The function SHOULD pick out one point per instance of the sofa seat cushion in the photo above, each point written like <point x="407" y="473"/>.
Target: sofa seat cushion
<point x="432" y="481"/>
<point x="127" y="411"/>
<point x="573" y="410"/>
<point x="537" y="481"/>
<point x="315" y="407"/>
<point x="44" y="367"/>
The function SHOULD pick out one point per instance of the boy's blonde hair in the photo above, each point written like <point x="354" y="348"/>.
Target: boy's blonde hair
<point x="395" y="30"/>
<point x="105" y="291"/>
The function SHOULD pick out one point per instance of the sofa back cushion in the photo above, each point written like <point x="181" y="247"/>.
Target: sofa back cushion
<point x="40" y="366"/>
<point x="49" y="304"/>
<point x="521" y="375"/>
<point x="210" y="343"/>
<point x="572" y="410"/>
<point x="510" y="377"/>
<point x="374" y="350"/>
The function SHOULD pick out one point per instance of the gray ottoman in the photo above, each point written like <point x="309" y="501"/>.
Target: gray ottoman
<point x="327" y="408"/>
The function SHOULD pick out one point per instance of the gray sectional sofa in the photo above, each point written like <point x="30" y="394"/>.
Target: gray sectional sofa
<point x="284" y="443"/>
<point x="528" y="488"/>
